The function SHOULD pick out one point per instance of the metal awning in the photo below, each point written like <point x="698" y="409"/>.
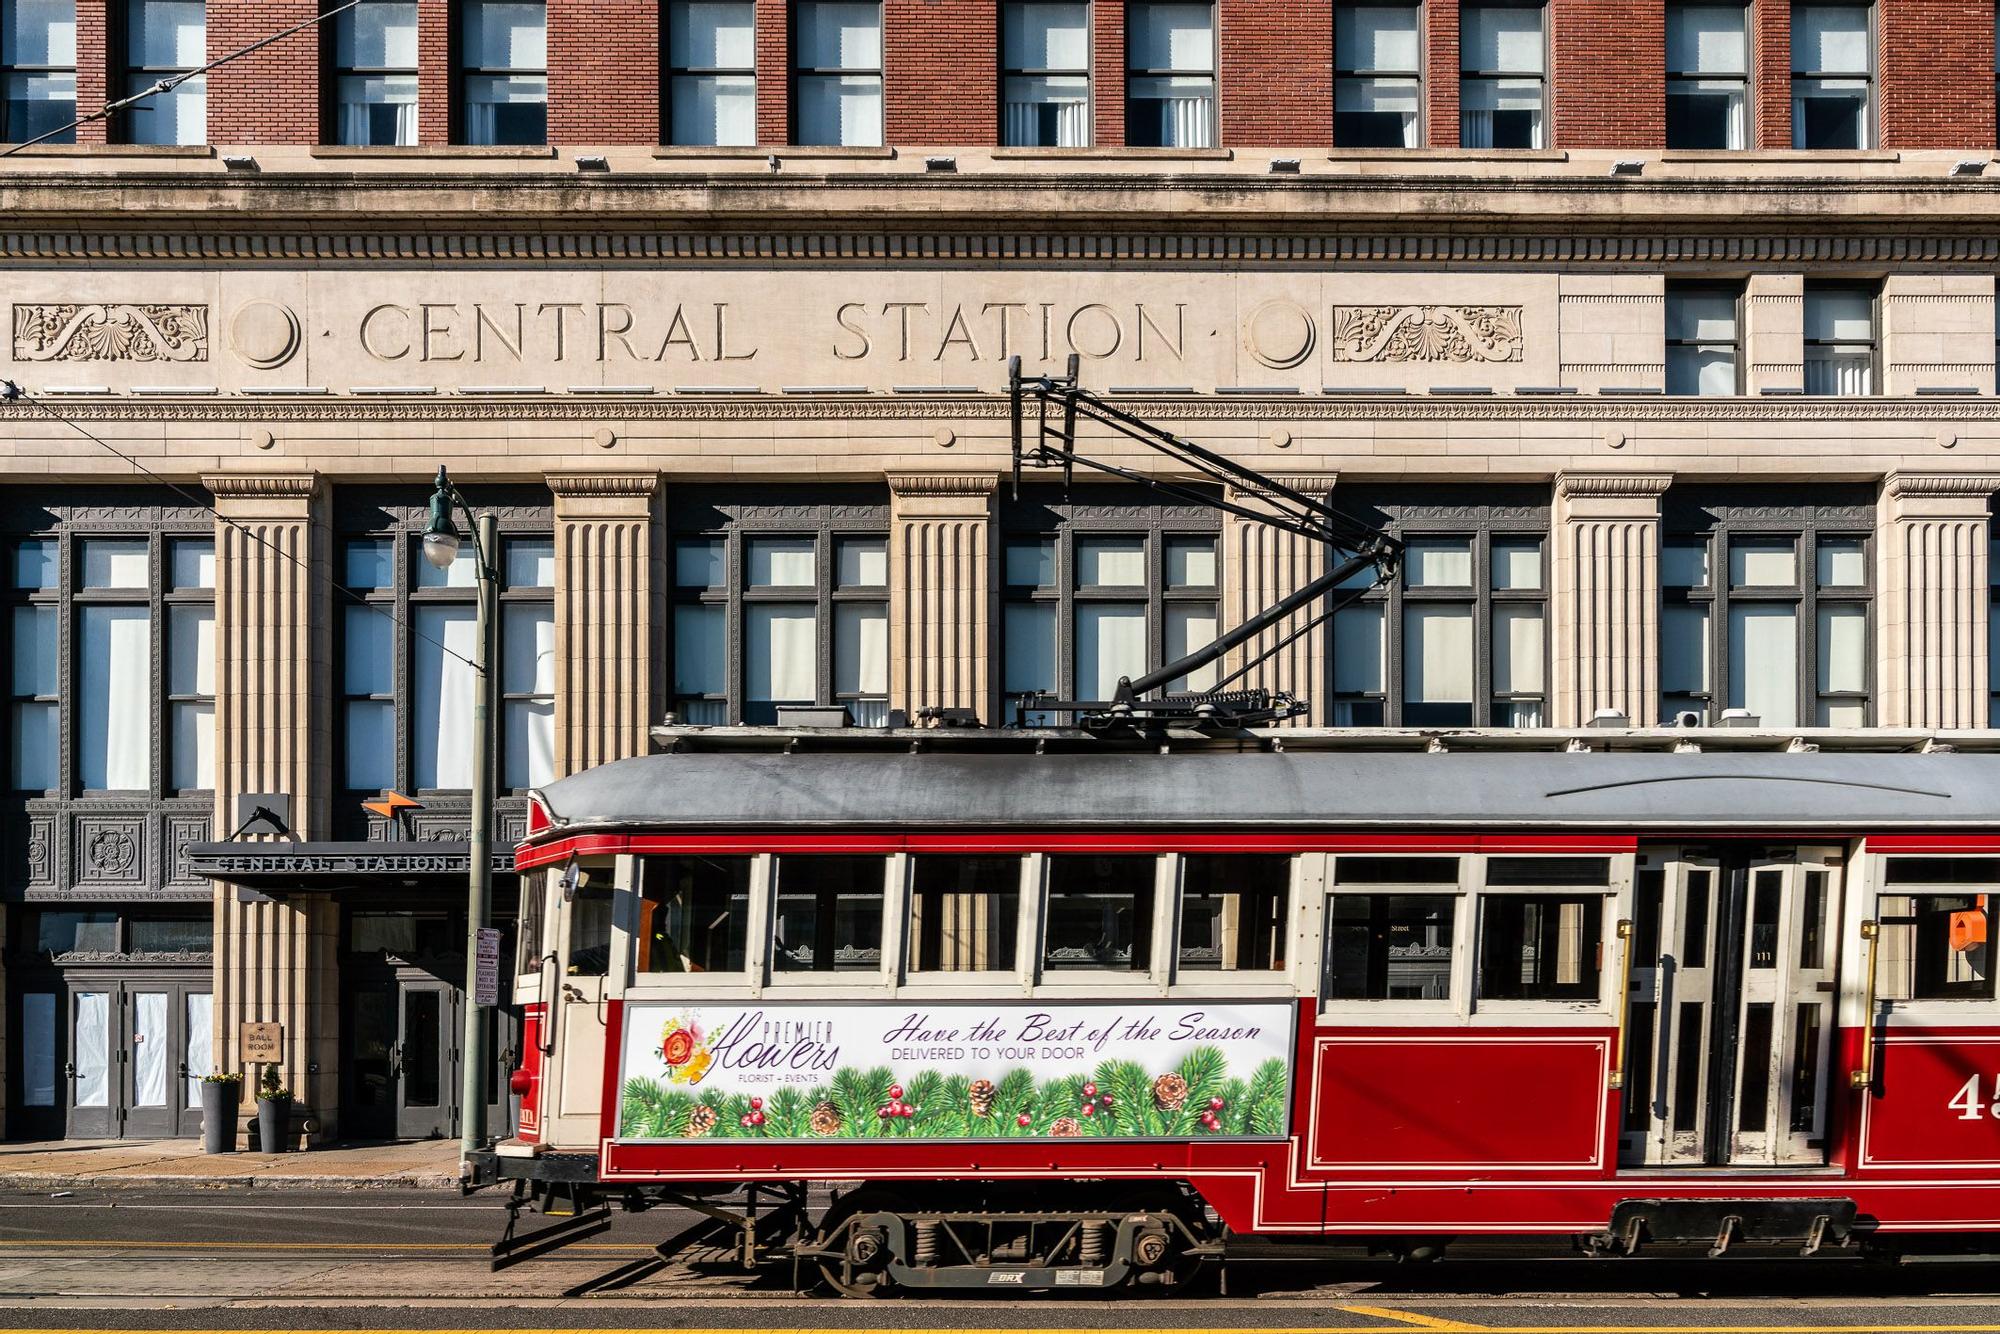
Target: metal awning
<point x="299" y="868"/>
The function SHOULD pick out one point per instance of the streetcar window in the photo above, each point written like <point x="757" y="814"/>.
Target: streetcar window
<point x="694" y="914"/>
<point x="590" y="927"/>
<point x="528" y="950"/>
<point x="1395" y="871"/>
<point x="1933" y="947"/>
<point x="1552" y="871"/>
<point x="1389" y="946"/>
<point x="1540" y="946"/>
<point x="965" y="913"/>
<point x="829" y="914"/>
<point x="1100" y="913"/>
<point x="1233" y="912"/>
<point x="1943" y="870"/>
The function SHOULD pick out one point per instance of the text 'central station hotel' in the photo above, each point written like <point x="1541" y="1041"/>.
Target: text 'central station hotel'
<point x="1663" y="335"/>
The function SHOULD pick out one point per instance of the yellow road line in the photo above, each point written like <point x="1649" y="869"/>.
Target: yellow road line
<point x="1410" y="1321"/>
<point x="1410" y="1317"/>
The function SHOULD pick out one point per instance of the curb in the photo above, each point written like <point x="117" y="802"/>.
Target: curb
<point x="54" y="1182"/>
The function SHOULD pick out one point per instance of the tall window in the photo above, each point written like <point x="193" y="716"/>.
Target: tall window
<point x="164" y="38"/>
<point x="90" y="611"/>
<point x="1170" y="75"/>
<point x="1767" y="615"/>
<point x="1459" y="638"/>
<point x="1833" y="66"/>
<point x="503" y="58"/>
<point x="1095" y="592"/>
<point x="1704" y="342"/>
<point x="1502" y="57"/>
<point x="711" y="67"/>
<point x="38" y="53"/>
<point x="408" y="643"/>
<point x="1840" y="339"/>
<point x="1708" y="76"/>
<point x="1045" y="74"/>
<point x="1377" y="76"/>
<point x="837" y="73"/>
<point x="773" y="610"/>
<point x="375" y="74"/>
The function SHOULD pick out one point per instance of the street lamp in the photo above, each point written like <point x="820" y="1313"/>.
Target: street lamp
<point x="441" y="545"/>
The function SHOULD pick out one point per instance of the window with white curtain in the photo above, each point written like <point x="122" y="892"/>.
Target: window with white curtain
<point x="1170" y="75"/>
<point x="1092" y="592"/>
<point x="770" y="612"/>
<point x="1502" y="61"/>
<point x="1378" y="89"/>
<point x="1840" y="339"/>
<point x="375" y="74"/>
<point x="1771" y="616"/>
<point x="1833" y="70"/>
<point x="38" y="64"/>
<point x="163" y="39"/>
<point x="1460" y="637"/>
<point x="711" y="69"/>
<point x="837" y="73"/>
<point x="1708" y="76"/>
<point x="503" y="57"/>
<point x="1045" y="74"/>
<point x="1704" y="339"/>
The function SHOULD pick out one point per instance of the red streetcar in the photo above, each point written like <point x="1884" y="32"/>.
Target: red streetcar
<point x="1075" y="1011"/>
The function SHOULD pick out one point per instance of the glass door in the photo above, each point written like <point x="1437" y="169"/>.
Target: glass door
<point x="1669" y="1031"/>
<point x="92" y="1069"/>
<point x="425" y="1061"/>
<point x="152" y="1085"/>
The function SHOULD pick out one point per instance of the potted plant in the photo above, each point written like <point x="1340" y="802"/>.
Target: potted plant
<point x="220" y="1096"/>
<point x="274" y="1111"/>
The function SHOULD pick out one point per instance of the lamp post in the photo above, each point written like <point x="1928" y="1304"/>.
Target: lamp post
<point x="441" y="543"/>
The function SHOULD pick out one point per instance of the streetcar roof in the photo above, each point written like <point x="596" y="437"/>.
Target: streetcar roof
<point x="880" y="782"/>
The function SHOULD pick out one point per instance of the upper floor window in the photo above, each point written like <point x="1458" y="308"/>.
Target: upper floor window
<point x="1708" y="76"/>
<point x="1502" y="57"/>
<point x="1840" y="339"/>
<point x="1377" y="76"/>
<point x="1704" y="342"/>
<point x="1993" y="623"/>
<point x="38" y="53"/>
<point x="1087" y="600"/>
<point x="1833" y="66"/>
<point x="164" y="38"/>
<point x="1459" y="638"/>
<point x="503" y="72"/>
<point x="1045" y="74"/>
<point x="711" y="68"/>
<point x="772" y="610"/>
<point x="1170" y="75"/>
<point x="1771" y="616"/>
<point x="90" y="612"/>
<point x="375" y="74"/>
<point x="837" y="73"/>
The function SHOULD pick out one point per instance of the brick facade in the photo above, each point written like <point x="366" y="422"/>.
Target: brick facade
<point x="1441" y="73"/>
<point x="604" y="72"/>
<point x="271" y="96"/>
<point x="1274" y="84"/>
<point x="940" y="72"/>
<point x="1937" y="81"/>
<point x="1607" y="74"/>
<point x="1771" y="75"/>
<point x="93" y="68"/>
<point x="774" y="76"/>
<point x="1107" y="72"/>
<point x="434" y="81"/>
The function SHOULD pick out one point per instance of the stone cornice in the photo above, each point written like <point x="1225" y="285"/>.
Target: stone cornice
<point x="588" y="485"/>
<point x="262" y="486"/>
<point x="1613" y="485"/>
<point x="944" y="484"/>
<point x="1941" y="485"/>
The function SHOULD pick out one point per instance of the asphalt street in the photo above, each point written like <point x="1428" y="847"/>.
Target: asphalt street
<point x="395" y="1260"/>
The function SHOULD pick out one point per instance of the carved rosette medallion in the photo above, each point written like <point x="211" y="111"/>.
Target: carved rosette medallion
<point x="65" y="332"/>
<point x="1458" y="334"/>
<point x="111" y="853"/>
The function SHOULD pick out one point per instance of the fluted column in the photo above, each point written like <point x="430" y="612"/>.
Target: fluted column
<point x="604" y="616"/>
<point x="1260" y="565"/>
<point x="275" y="960"/>
<point x="1604" y="597"/>
<point x="1931" y="647"/>
<point x="941" y="585"/>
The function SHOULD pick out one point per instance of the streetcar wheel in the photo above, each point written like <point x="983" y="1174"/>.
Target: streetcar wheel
<point x="848" y="1274"/>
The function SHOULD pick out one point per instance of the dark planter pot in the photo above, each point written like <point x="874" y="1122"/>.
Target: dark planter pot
<point x="218" y="1117"/>
<point x="273" y="1119"/>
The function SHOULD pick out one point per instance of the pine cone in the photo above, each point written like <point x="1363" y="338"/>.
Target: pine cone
<point x="1170" y="1091"/>
<point x="981" y="1097"/>
<point x="700" y="1121"/>
<point x="1065" y="1127"/>
<point x="825" y="1119"/>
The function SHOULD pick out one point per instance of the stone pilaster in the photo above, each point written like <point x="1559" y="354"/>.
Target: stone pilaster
<point x="1937" y="332"/>
<point x="275" y="961"/>
<point x="605" y="617"/>
<point x="941" y="583"/>
<point x="1260" y="566"/>
<point x="1774" y="332"/>
<point x="1930" y="635"/>
<point x="1604" y="596"/>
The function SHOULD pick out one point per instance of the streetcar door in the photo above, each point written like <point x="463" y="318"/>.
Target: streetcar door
<point x="573" y="1089"/>
<point x="1670" y="1024"/>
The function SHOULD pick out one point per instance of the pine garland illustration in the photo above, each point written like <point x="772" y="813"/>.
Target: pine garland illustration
<point x="1119" y="1099"/>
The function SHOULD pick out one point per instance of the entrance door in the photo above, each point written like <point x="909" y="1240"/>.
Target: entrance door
<point x="1730" y="1018"/>
<point x="132" y="1053"/>
<point x="166" y="1035"/>
<point x="408" y="1028"/>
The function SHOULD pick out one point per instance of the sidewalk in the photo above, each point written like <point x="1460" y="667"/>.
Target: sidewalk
<point x="180" y="1163"/>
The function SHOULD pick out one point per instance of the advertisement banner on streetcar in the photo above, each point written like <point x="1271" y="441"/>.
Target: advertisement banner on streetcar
<point x="1144" y="1071"/>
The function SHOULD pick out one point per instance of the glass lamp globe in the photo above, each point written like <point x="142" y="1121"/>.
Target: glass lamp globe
<point x="441" y="549"/>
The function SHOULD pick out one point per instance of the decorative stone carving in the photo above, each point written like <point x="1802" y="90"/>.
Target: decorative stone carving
<point x="109" y="850"/>
<point x="264" y="334"/>
<point x="1427" y="333"/>
<point x="110" y="333"/>
<point x="181" y="831"/>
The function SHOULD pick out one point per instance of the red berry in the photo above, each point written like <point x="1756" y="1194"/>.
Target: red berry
<point x="756" y="1118"/>
<point x="1021" y="1120"/>
<point x="1215" y="1104"/>
<point x="1090" y="1090"/>
<point x="1107" y="1100"/>
<point x="882" y="1112"/>
<point x="895" y="1093"/>
<point x="908" y="1111"/>
<point x="744" y="1120"/>
<point x="1090" y="1109"/>
<point x="756" y="1104"/>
